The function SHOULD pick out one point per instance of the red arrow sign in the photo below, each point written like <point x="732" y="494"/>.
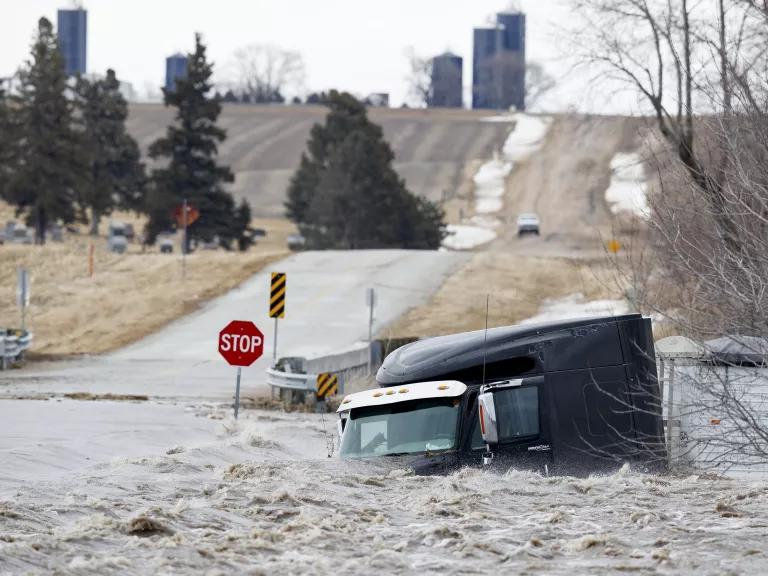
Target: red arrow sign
<point x="241" y="343"/>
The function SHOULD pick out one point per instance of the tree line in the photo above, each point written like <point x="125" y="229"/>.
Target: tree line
<point x="700" y="69"/>
<point x="66" y="155"/>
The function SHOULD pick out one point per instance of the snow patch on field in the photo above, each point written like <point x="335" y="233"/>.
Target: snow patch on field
<point x="627" y="191"/>
<point x="501" y="119"/>
<point x="485" y="222"/>
<point x="527" y="137"/>
<point x="464" y="237"/>
<point x="576" y="306"/>
<point x="489" y="186"/>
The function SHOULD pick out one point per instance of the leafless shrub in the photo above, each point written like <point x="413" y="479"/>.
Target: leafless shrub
<point x="268" y="73"/>
<point x="701" y="69"/>
<point x="538" y="83"/>
<point x="419" y="78"/>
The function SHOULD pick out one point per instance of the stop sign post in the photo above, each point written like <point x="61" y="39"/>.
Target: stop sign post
<point x="241" y="343"/>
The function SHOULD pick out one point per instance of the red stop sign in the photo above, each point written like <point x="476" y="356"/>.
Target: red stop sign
<point x="192" y="215"/>
<point x="241" y="343"/>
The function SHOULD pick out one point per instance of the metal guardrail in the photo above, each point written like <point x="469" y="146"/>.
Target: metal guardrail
<point x="13" y="344"/>
<point x="300" y="374"/>
<point x="303" y="377"/>
<point x="286" y="380"/>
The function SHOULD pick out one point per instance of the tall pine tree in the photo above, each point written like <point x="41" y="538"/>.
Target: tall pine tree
<point x="191" y="146"/>
<point x="47" y="166"/>
<point x="346" y="194"/>
<point x="6" y="139"/>
<point x="116" y="174"/>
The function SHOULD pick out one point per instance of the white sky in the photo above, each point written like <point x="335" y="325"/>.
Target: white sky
<point x="355" y="45"/>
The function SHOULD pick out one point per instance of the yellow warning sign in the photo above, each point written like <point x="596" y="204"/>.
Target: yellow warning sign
<point x="613" y="246"/>
<point x="277" y="295"/>
<point x="327" y="385"/>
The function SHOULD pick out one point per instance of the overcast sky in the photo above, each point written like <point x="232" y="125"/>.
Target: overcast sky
<point x="356" y="45"/>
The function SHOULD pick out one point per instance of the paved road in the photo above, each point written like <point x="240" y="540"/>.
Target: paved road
<point x="326" y="312"/>
<point x="565" y="184"/>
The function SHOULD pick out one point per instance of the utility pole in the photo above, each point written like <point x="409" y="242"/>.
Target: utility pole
<point x="22" y="294"/>
<point x="370" y="299"/>
<point x="184" y="241"/>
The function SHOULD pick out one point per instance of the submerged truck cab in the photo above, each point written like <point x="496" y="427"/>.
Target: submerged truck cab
<point x="568" y="397"/>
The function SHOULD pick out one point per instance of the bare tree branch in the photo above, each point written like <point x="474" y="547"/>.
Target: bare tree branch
<point x="266" y="73"/>
<point x="419" y="78"/>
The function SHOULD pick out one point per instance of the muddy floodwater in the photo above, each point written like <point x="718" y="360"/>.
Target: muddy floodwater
<point x="264" y="498"/>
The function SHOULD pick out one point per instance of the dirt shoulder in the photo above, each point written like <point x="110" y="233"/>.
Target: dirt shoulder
<point x="129" y="295"/>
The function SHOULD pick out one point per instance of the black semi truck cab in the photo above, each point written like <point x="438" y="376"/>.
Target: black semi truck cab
<point x="570" y="397"/>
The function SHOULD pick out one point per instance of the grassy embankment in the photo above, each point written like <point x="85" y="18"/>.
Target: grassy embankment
<point x="517" y="285"/>
<point x="129" y="295"/>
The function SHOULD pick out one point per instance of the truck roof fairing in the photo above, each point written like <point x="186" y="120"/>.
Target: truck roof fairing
<point x="512" y="351"/>
<point x="395" y="395"/>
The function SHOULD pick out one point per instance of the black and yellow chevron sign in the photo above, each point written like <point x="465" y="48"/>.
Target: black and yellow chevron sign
<point x="277" y="295"/>
<point x="327" y="385"/>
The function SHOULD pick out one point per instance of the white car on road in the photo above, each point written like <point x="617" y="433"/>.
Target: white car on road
<point x="528" y="224"/>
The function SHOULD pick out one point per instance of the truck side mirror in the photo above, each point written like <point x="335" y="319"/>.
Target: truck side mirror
<point x="487" y="414"/>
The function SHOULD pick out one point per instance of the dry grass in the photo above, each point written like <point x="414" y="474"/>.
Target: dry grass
<point x="128" y="297"/>
<point x="517" y="286"/>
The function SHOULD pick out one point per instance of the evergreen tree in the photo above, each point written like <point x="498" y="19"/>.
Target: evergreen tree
<point x="191" y="145"/>
<point x="243" y="222"/>
<point x="346" y="194"/>
<point x="229" y="97"/>
<point x="47" y="166"/>
<point x="317" y="98"/>
<point x="5" y="142"/>
<point x="116" y="174"/>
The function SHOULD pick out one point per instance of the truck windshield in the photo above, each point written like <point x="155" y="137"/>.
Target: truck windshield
<point x="406" y="428"/>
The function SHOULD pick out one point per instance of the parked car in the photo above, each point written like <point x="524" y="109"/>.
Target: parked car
<point x="528" y="224"/>
<point x="165" y="242"/>
<point x="117" y="241"/>
<point x="212" y="244"/>
<point x="21" y="235"/>
<point x="130" y="232"/>
<point x="296" y="242"/>
<point x="56" y="233"/>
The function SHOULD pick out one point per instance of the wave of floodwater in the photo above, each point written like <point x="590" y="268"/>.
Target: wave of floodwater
<point x="284" y="507"/>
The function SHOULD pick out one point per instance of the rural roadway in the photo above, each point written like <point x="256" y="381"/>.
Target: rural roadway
<point x="325" y="312"/>
<point x="47" y="435"/>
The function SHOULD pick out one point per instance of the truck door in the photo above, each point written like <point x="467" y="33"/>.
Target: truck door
<point x="523" y="426"/>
